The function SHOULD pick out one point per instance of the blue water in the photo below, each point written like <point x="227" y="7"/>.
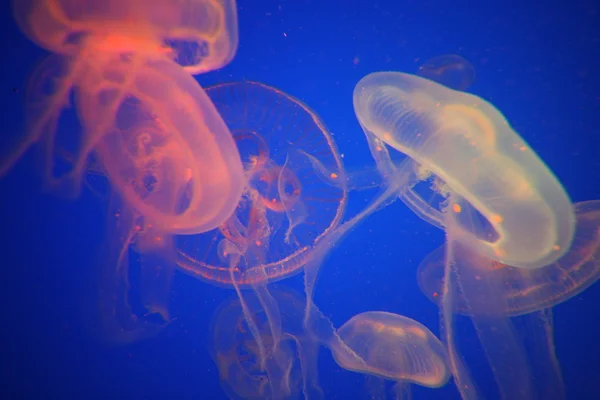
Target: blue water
<point x="537" y="63"/>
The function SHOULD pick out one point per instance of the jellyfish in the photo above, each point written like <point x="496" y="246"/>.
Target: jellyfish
<point x="450" y="70"/>
<point x="167" y="154"/>
<point x="113" y="58"/>
<point x="390" y="347"/>
<point x="236" y="353"/>
<point x="524" y="291"/>
<point x="469" y="148"/>
<point x="499" y="199"/>
<point x="490" y="292"/>
<point x="394" y="348"/>
<point x="284" y="209"/>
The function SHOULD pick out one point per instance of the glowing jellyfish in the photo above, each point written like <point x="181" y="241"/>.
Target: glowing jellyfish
<point x="201" y="32"/>
<point x="522" y="291"/>
<point x="168" y="155"/>
<point x="490" y="292"/>
<point x="243" y="374"/>
<point x="499" y="200"/>
<point x="117" y="59"/>
<point x="394" y="348"/>
<point x="495" y="197"/>
<point x="450" y="70"/>
<point x="285" y="208"/>
<point x="481" y="164"/>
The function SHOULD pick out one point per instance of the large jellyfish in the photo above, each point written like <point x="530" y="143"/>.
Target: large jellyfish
<point x="499" y="200"/>
<point x="490" y="292"/>
<point x="170" y="160"/>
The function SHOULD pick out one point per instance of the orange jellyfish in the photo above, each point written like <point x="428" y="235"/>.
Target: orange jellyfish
<point x="114" y="58"/>
<point x="111" y="314"/>
<point x="236" y="352"/>
<point x="490" y="292"/>
<point x="168" y="156"/>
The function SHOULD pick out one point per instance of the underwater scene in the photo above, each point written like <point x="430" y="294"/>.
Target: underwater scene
<point x="299" y="199"/>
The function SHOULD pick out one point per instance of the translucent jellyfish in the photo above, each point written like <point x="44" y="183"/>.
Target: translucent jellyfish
<point x="112" y="313"/>
<point x="490" y="292"/>
<point x="289" y="370"/>
<point x="170" y="160"/>
<point x="285" y="208"/>
<point x="517" y="357"/>
<point x="393" y="347"/>
<point x="515" y="209"/>
<point x="521" y="291"/>
<point x="499" y="200"/>
<point x="450" y="70"/>
<point x="203" y="33"/>
<point x="116" y="64"/>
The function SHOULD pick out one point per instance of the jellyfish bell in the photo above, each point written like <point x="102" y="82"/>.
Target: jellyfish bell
<point x="393" y="347"/>
<point x="492" y="294"/>
<point x="168" y="134"/>
<point x="522" y="291"/>
<point x="283" y="211"/>
<point x="483" y="162"/>
<point x="202" y="35"/>
<point x="285" y="208"/>
<point x="113" y="54"/>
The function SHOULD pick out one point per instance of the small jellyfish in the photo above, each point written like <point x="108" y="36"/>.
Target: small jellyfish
<point x="393" y="347"/>
<point x="450" y="70"/>
<point x="288" y="370"/>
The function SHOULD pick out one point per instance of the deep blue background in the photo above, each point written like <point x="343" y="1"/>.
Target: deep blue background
<point x="537" y="62"/>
